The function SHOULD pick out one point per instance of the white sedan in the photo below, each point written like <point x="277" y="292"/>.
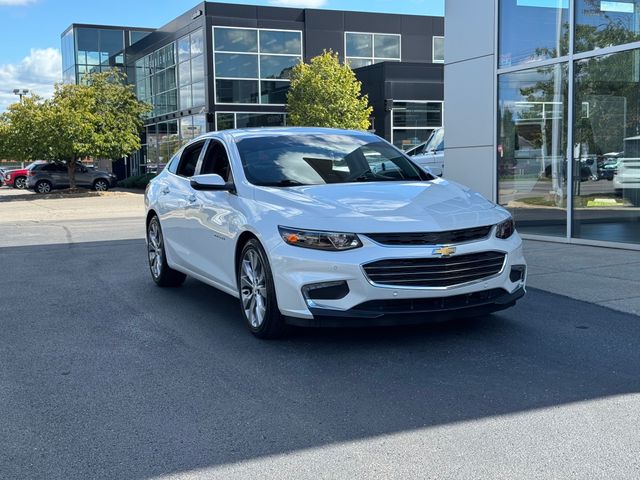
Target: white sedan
<point x="325" y="227"/>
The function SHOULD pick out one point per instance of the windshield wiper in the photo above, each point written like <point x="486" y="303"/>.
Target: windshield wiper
<point x="283" y="183"/>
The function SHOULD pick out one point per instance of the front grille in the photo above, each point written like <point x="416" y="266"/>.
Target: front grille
<point x="432" y="238"/>
<point x="435" y="272"/>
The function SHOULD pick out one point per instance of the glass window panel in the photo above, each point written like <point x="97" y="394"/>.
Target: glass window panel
<point x="253" y="120"/>
<point x="197" y="43"/>
<point x="88" y="39"/>
<point x="274" y="92"/>
<point x="237" y="91"/>
<point x="532" y="30"/>
<point x="409" y="138"/>
<point x="414" y="114"/>
<point x="276" y="66"/>
<point x="198" y="93"/>
<point x="185" y="97"/>
<point x="184" y="73"/>
<point x="184" y="49"/>
<point x="602" y="24"/>
<point x="81" y="57"/>
<point x="236" y="65"/>
<point x="186" y="128"/>
<point x="386" y="46"/>
<point x="137" y="35"/>
<point x="170" y="55"/>
<point x="199" y="124"/>
<point x="272" y="41"/>
<point x="359" y="45"/>
<point x="197" y="69"/>
<point x="358" y="62"/>
<point x="438" y="49"/>
<point x="170" y="78"/>
<point x="532" y="148"/>
<point x="225" y="121"/>
<point x="606" y="153"/>
<point x="93" y="58"/>
<point x="235" y="40"/>
<point x="111" y="41"/>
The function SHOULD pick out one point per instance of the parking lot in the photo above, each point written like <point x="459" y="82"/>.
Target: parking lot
<point x="104" y="375"/>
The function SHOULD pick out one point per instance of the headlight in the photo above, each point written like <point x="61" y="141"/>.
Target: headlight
<point x="319" y="240"/>
<point x="505" y="229"/>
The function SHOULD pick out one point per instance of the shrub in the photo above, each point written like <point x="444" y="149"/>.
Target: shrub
<point x="137" y="181"/>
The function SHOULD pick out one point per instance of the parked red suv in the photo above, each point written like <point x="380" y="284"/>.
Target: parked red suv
<point x="18" y="178"/>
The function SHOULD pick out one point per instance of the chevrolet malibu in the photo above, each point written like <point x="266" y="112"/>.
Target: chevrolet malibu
<point x="324" y="227"/>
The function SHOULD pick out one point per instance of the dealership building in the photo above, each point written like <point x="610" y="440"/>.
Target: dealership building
<point x="543" y="113"/>
<point x="221" y="66"/>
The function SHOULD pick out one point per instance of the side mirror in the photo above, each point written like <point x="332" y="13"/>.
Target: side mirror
<point x="210" y="181"/>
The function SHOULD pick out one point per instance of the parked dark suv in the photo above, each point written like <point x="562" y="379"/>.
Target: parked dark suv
<point x="48" y="176"/>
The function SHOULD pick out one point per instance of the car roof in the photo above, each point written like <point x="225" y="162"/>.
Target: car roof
<point x="241" y="133"/>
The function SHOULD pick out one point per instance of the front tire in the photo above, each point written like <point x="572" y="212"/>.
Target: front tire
<point x="43" y="187"/>
<point x="101" y="185"/>
<point x="20" y="183"/>
<point x="258" y="302"/>
<point x="162" y="274"/>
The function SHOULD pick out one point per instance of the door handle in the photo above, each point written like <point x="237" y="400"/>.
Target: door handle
<point x="165" y="191"/>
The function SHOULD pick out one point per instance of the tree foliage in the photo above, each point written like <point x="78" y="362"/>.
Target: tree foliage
<point x="101" y="119"/>
<point x="324" y="93"/>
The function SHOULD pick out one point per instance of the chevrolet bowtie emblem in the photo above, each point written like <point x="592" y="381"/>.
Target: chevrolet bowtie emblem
<point x="444" y="251"/>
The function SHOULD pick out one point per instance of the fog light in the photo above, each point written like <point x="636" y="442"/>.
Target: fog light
<point x="518" y="273"/>
<point x="326" y="291"/>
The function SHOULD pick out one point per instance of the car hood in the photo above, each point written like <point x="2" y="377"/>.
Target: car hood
<point x="438" y="205"/>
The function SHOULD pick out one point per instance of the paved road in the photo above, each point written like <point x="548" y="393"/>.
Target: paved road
<point x="104" y="375"/>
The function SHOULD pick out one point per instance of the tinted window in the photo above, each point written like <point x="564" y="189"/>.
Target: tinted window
<point x="237" y="91"/>
<point x="280" y="42"/>
<point x="235" y="40"/>
<point x="189" y="160"/>
<point x="216" y="161"/>
<point x="316" y="159"/>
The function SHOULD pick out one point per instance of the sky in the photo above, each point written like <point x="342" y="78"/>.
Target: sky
<point x="30" y="29"/>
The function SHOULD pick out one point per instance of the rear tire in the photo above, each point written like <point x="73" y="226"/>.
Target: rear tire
<point x="20" y="183"/>
<point x="43" y="187"/>
<point x="258" y="303"/>
<point x="162" y="274"/>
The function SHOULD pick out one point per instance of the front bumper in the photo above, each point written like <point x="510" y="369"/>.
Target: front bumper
<point x="295" y="267"/>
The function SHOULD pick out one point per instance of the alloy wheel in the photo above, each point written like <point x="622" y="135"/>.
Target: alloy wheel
<point x="253" y="288"/>
<point x="44" y="187"/>
<point x="154" y="245"/>
<point x="101" y="186"/>
<point x="20" y="183"/>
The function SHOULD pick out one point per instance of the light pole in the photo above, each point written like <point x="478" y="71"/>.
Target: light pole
<point x="21" y="92"/>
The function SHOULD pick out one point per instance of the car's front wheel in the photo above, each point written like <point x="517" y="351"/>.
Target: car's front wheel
<point x="259" y="305"/>
<point x="20" y="183"/>
<point x="161" y="273"/>
<point x="43" y="186"/>
<point x="101" y="185"/>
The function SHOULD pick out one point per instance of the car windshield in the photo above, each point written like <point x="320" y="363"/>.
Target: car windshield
<point x="434" y="141"/>
<point x="315" y="159"/>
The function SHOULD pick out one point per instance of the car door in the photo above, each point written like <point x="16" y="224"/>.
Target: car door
<point x="214" y="218"/>
<point x="174" y="192"/>
<point x="83" y="176"/>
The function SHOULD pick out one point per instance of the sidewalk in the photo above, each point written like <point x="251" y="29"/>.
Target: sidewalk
<point x="604" y="276"/>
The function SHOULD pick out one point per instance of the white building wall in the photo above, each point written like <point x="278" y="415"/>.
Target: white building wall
<point x="469" y="94"/>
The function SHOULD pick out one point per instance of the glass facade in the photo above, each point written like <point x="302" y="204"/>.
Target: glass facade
<point x="156" y="80"/>
<point x="413" y="122"/>
<point x="362" y="49"/>
<point x="568" y="134"/>
<point x="253" y="66"/>
<point x="229" y="120"/>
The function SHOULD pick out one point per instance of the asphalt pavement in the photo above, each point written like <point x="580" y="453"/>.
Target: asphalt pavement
<point x="105" y="375"/>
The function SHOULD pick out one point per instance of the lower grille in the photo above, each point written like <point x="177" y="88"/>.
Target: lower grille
<point x="435" y="272"/>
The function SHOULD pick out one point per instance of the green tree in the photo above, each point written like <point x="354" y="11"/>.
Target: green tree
<point x="22" y="137"/>
<point x="324" y="93"/>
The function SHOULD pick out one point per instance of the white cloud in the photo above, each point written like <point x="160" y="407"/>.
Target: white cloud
<point x="16" y="2"/>
<point x="295" y="3"/>
<point x="38" y="72"/>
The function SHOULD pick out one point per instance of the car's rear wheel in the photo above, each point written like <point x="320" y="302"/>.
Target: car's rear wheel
<point x="20" y="183"/>
<point x="161" y="273"/>
<point x="259" y="305"/>
<point x="101" y="185"/>
<point x="43" y="186"/>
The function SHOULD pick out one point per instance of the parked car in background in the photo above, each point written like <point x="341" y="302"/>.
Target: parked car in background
<point x="315" y="226"/>
<point x="430" y="153"/>
<point x="17" y="178"/>
<point x="50" y="176"/>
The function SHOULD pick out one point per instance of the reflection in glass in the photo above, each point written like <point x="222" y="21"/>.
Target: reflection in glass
<point x="386" y="46"/>
<point x="606" y="153"/>
<point x="235" y="40"/>
<point x="235" y="65"/>
<point x="197" y="91"/>
<point x="532" y="148"/>
<point x="197" y="43"/>
<point x="237" y="91"/>
<point x="225" y="121"/>
<point x="601" y="24"/>
<point x="359" y="45"/>
<point x="253" y="120"/>
<point x="358" y="62"/>
<point x="185" y="97"/>
<point x="184" y="49"/>
<point x="280" y="42"/>
<point x="532" y="30"/>
<point x="438" y="49"/>
<point x="417" y="114"/>
<point x="274" y="92"/>
<point x="277" y="66"/>
<point x="197" y="69"/>
<point x="111" y="41"/>
<point x="407" y="138"/>
<point x="184" y="72"/>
